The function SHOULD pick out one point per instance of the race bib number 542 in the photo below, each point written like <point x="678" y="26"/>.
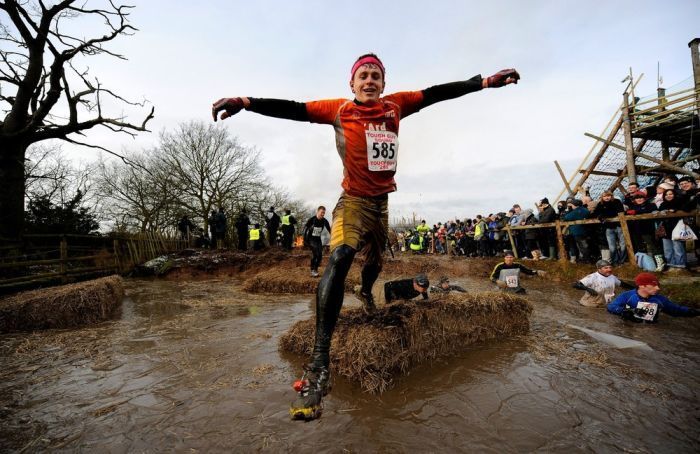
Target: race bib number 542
<point x="382" y="150"/>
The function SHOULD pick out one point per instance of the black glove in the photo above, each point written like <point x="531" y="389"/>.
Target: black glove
<point x="628" y="314"/>
<point x="591" y="291"/>
<point x="692" y="312"/>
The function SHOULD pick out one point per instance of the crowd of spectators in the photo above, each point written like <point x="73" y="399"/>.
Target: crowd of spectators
<point x="658" y="241"/>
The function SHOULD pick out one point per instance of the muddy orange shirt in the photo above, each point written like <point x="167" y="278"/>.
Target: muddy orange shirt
<point x="367" y="138"/>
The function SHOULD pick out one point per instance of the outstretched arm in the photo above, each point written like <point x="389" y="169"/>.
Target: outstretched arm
<point x="278" y="108"/>
<point x="453" y="90"/>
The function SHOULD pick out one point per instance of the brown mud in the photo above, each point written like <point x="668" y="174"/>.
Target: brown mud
<point x="194" y="365"/>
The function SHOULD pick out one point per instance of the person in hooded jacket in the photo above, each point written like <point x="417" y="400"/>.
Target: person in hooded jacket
<point x="527" y="217"/>
<point x="272" y="224"/>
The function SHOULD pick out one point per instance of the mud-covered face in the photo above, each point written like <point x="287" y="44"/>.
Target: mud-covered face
<point x="509" y="259"/>
<point x="605" y="270"/>
<point x="418" y="288"/>
<point x="367" y="83"/>
<point x="649" y="290"/>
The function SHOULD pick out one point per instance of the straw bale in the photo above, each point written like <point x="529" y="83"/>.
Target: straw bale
<point x="291" y="280"/>
<point x="62" y="307"/>
<point x="372" y="350"/>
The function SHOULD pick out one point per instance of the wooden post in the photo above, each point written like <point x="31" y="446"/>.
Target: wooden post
<point x="63" y="248"/>
<point x="561" y="247"/>
<point x="512" y="241"/>
<point x="563" y="178"/>
<point x="695" y="58"/>
<point x="598" y="156"/>
<point x="117" y="264"/>
<point x="628" y="238"/>
<point x="661" y="93"/>
<point x="629" y="144"/>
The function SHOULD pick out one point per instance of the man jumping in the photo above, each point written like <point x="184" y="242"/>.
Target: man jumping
<point x="366" y="131"/>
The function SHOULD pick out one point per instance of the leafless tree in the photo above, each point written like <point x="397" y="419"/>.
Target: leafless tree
<point x="45" y="93"/>
<point x="210" y="169"/>
<point x="140" y="196"/>
<point x="49" y="174"/>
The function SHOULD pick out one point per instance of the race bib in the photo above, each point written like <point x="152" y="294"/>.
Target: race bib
<point x="512" y="281"/>
<point x="648" y="309"/>
<point x="382" y="150"/>
<point x="317" y="231"/>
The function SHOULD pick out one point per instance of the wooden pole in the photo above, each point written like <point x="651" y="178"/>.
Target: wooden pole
<point x="695" y="58"/>
<point x="661" y="98"/>
<point x="512" y="241"/>
<point x="629" y="144"/>
<point x="599" y="155"/>
<point x="561" y="248"/>
<point x="668" y="165"/>
<point x="63" y="248"/>
<point x="117" y="262"/>
<point x="563" y="177"/>
<point x="628" y="237"/>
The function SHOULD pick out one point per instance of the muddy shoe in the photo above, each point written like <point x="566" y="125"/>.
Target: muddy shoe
<point x="314" y="273"/>
<point x="312" y="386"/>
<point x="367" y="300"/>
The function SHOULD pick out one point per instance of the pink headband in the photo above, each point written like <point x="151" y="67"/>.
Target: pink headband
<point x="364" y="61"/>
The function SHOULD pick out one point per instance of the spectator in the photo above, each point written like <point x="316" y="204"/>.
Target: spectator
<point x="610" y="207"/>
<point x="221" y="228"/>
<point x="674" y="250"/>
<point x="241" y="224"/>
<point x="185" y="227"/>
<point x="548" y="236"/>
<point x="527" y="217"/>
<point x="212" y="228"/>
<point x="288" y="223"/>
<point x="643" y="231"/>
<point x="256" y="238"/>
<point x="272" y="223"/>
<point x="578" y="232"/>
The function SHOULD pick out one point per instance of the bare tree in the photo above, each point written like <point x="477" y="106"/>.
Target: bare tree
<point x="211" y="169"/>
<point x="49" y="174"/>
<point x="40" y="80"/>
<point x="140" y="196"/>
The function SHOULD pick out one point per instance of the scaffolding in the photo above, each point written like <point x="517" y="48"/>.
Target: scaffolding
<point x="647" y="139"/>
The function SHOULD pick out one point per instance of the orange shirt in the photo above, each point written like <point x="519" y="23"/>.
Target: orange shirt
<point x="367" y="138"/>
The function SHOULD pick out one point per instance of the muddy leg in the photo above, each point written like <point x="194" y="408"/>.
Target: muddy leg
<point x="329" y="300"/>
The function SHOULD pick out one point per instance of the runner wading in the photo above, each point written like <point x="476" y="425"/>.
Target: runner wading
<point x="366" y="131"/>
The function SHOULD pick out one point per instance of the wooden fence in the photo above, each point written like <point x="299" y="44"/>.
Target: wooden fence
<point x="622" y="219"/>
<point x="52" y="259"/>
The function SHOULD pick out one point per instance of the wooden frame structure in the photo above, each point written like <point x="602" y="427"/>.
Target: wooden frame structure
<point x="669" y="120"/>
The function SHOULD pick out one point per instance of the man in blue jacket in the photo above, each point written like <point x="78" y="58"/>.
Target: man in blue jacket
<point x="578" y="213"/>
<point x="644" y="304"/>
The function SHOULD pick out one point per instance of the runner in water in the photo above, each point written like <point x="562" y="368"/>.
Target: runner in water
<point x="366" y="132"/>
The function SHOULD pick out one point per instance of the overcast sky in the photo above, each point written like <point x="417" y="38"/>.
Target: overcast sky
<point x="477" y="154"/>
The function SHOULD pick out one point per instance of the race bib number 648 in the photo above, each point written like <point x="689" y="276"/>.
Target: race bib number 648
<point x="382" y="150"/>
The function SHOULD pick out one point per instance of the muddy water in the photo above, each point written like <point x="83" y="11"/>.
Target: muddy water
<point x="195" y="366"/>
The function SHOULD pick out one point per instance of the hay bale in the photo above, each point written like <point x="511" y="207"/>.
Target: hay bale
<point x="62" y="307"/>
<point x="291" y="280"/>
<point x="372" y="350"/>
